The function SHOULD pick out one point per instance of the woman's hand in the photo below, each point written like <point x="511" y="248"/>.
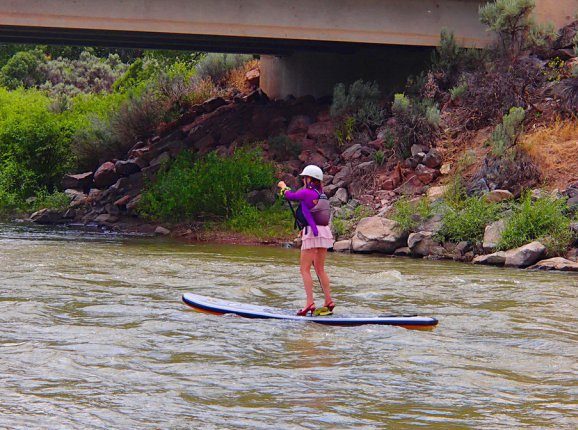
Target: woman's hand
<point x="282" y="185"/>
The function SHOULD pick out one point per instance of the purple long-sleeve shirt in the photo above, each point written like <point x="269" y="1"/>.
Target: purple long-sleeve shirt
<point x="308" y="199"/>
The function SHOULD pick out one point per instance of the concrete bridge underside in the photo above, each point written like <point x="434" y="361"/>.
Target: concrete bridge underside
<point x="323" y="41"/>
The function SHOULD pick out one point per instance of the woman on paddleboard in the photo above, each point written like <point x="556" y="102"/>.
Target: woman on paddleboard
<point x="313" y="218"/>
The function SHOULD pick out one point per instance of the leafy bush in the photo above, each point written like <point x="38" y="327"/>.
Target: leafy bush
<point x="410" y="214"/>
<point x="56" y="200"/>
<point x="34" y="143"/>
<point x="137" y="117"/>
<point x="209" y="186"/>
<point x="506" y="134"/>
<point x="360" y="101"/>
<point x="22" y="70"/>
<point x="458" y="91"/>
<point x="416" y="122"/>
<point x="282" y="148"/>
<point x="567" y="91"/>
<point x="467" y="220"/>
<point x="379" y="157"/>
<point x="543" y="219"/>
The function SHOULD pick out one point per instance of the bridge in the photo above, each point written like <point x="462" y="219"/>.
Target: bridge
<point x="306" y="46"/>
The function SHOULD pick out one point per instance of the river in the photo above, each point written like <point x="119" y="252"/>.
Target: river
<point x="93" y="335"/>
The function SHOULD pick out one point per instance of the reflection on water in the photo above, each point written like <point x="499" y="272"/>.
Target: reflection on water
<point x="93" y="335"/>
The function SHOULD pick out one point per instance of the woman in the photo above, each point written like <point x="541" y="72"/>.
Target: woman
<point x="316" y="234"/>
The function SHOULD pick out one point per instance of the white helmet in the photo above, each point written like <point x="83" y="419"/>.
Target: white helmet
<point x="312" y="171"/>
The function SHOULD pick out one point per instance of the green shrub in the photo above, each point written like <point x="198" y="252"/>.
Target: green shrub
<point x="275" y="222"/>
<point x="506" y="134"/>
<point x="344" y="130"/>
<point x="56" y="200"/>
<point x="410" y="214"/>
<point x="467" y="221"/>
<point x="34" y="143"/>
<point x="511" y="20"/>
<point x="22" y="70"/>
<point x="544" y="220"/>
<point x="218" y="66"/>
<point x="360" y="101"/>
<point x="458" y="91"/>
<point x="209" y="186"/>
<point x="379" y="157"/>
<point x="282" y="148"/>
<point x="416" y="122"/>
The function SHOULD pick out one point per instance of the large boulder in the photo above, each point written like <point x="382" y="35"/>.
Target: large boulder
<point x="81" y="181"/>
<point x="105" y="175"/>
<point x="47" y="216"/>
<point x="525" y="255"/>
<point x="343" y="177"/>
<point x="495" y="259"/>
<point x="556" y="263"/>
<point x="493" y="234"/>
<point x="320" y="130"/>
<point x="126" y="167"/>
<point x="421" y="243"/>
<point x="352" y="153"/>
<point x="377" y="234"/>
<point x="342" y="246"/>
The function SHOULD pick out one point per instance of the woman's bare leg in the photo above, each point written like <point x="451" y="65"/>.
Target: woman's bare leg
<point x="319" y="264"/>
<point x="307" y="257"/>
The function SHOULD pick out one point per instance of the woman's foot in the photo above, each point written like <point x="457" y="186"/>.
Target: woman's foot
<point x="330" y="305"/>
<point x="308" y="309"/>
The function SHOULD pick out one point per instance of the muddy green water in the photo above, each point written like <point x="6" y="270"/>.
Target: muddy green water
<point x="93" y="335"/>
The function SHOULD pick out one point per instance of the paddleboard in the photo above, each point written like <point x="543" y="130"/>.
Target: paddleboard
<point x="214" y="306"/>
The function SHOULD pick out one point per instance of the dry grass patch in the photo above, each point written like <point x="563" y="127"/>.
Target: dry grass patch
<point x="554" y="149"/>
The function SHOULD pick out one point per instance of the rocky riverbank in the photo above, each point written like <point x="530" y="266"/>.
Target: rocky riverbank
<point x="376" y="153"/>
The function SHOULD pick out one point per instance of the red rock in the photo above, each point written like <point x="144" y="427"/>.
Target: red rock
<point x="321" y="130"/>
<point x="311" y="157"/>
<point x="133" y="203"/>
<point x="213" y="103"/>
<point x="433" y="159"/>
<point x="323" y="116"/>
<point x="411" y="186"/>
<point x="105" y="175"/>
<point x="127" y="167"/>
<point x="299" y="124"/>
<point x="80" y="181"/>
<point x="252" y="77"/>
<point x="122" y="201"/>
<point x="425" y="174"/>
<point x="376" y="144"/>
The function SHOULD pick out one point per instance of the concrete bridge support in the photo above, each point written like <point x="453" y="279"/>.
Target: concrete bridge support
<point x="317" y="73"/>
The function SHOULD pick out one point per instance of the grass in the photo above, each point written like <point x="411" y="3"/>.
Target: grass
<point x="275" y="222"/>
<point x="553" y="148"/>
<point x="467" y="220"/>
<point x="410" y="214"/>
<point x="544" y="219"/>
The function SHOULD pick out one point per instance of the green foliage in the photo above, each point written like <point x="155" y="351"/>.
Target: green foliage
<point x="344" y="131"/>
<point x="275" y="222"/>
<point x="22" y="70"/>
<point x="43" y="199"/>
<point x="379" y="157"/>
<point x="409" y="214"/>
<point x="467" y="220"/>
<point x="360" y="101"/>
<point x="34" y="143"/>
<point x="544" y="219"/>
<point x="283" y="148"/>
<point x="512" y="21"/>
<point x="416" y="122"/>
<point x="209" y="186"/>
<point x="218" y="66"/>
<point x="458" y="91"/>
<point x="506" y="134"/>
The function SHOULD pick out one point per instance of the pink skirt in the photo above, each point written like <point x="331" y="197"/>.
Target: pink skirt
<point x="323" y="240"/>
